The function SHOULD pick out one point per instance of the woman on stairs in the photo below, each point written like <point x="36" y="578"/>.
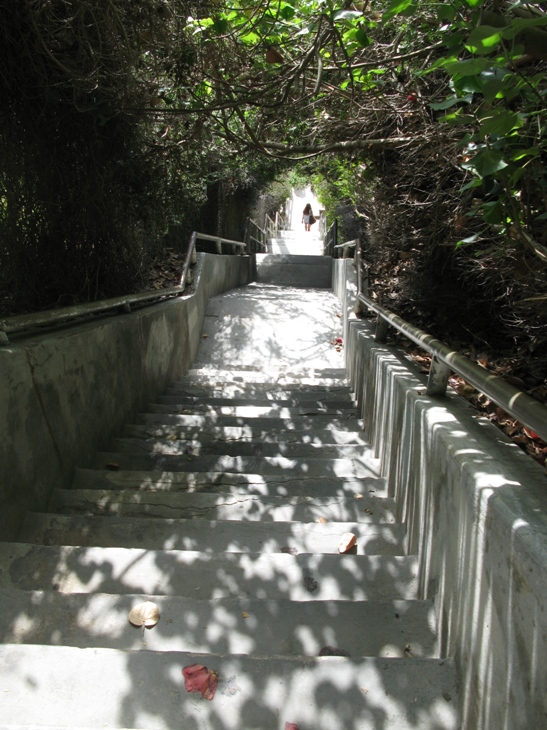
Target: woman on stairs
<point x="307" y="216"/>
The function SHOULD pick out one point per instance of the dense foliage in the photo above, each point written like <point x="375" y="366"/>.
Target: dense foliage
<point x="424" y="121"/>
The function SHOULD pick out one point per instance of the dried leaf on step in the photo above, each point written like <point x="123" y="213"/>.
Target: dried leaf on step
<point x="291" y="726"/>
<point x="198" y="678"/>
<point x="144" y="614"/>
<point x="112" y="465"/>
<point x="322" y="520"/>
<point x="245" y="614"/>
<point x="347" y="541"/>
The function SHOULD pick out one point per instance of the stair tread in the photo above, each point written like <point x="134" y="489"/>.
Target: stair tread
<point x="256" y="448"/>
<point x="301" y="577"/>
<point x="145" y="689"/>
<point x="332" y="404"/>
<point x="231" y="626"/>
<point x="232" y="482"/>
<point x="210" y="536"/>
<point x="246" y="434"/>
<point x="225" y="506"/>
<point x="300" y="467"/>
<point x="284" y="427"/>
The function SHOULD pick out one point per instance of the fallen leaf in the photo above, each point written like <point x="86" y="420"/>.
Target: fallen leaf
<point x="358" y="496"/>
<point x="144" y="614"/>
<point x="347" y="541"/>
<point x="112" y="465"/>
<point x="322" y="520"/>
<point x="245" y="614"/>
<point x="531" y="434"/>
<point x="205" y="335"/>
<point x="310" y="584"/>
<point x="369" y="512"/>
<point x="291" y="726"/>
<point x="289" y="550"/>
<point x="333" y="651"/>
<point x="198" y="678"/>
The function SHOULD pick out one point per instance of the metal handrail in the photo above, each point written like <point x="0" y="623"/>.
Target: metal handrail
<point x="261" y="238"/>
<point x="331" y="240"/>
<point x="514" y="401"/>
<point x="23" y="322"/>
<point x="345" y="247"/>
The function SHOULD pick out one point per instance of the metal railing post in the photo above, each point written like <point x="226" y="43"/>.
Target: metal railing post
<point x="382" y="326"/>
<point x="437" y="380"/>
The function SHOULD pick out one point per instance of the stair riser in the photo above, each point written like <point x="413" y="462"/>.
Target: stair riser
<point x="133" y="503"/>
<point x="298" y="468"/>
<point x="246" y="434"/>
<point x="253" y="627"/>
<point x="210" y="536"/>
<point x="210" y="402"/>
<point x="194" y="447"/>
<point x="265" y="485"/>
<point x="195" y="575"/>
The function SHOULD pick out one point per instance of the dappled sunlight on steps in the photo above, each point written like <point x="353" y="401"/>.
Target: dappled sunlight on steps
<point x="225" y="505"/>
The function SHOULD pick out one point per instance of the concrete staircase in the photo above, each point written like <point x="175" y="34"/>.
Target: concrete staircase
<point x="224" y="504"/>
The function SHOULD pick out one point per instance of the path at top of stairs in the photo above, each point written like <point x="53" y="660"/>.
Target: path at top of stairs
<point x="224" y="504"/>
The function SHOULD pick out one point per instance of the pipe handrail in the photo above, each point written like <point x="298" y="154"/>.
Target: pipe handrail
<point x="514" y="401"/>
<point x="23" y="322"/>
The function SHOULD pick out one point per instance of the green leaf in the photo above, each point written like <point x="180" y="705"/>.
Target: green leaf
<point x="475" y="183"/>
<point x="470" y="239"/>
<point x="474" y="3"/>
<point x="287" y="12"/>
<point x="446" y="12"/>
<point x="493" y="212"/>
<point x="457" y="117"/>
<point x="347" y="15"/>
<point x="449" y="102"/>
<point x="483" y="39"/>
<point x="493" y="90"/>
<point x="220" y="25"/>
<point x="487" y="162"/>
<point x="472" y="67"/>
<point x="499" y="123"/>
<point x="362" y="38"/>
<point x="521" y="154"/>
<point x="397" y="7"/>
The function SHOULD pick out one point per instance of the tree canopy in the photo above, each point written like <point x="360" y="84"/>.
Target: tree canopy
<point x="426" y="119"/>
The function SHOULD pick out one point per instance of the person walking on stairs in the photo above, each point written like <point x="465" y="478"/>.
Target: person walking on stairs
<point x="307" y="217"/>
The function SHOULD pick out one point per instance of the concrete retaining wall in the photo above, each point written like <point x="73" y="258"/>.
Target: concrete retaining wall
<point x="64" y="394"/>
<point x="476" y="510"/>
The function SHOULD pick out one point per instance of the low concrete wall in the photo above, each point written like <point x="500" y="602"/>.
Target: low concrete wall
<point x="476" y="510"/>
<point x="64" y="394"/>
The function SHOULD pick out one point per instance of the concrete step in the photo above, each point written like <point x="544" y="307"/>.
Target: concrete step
<point x="228" y="415"/>
<point x="299" y="467"/>
<point x="194" y="574"/>
<point x="301" y="425"/>
<point x="330" y="404"/>
<point x="223" y="506"/>
<point x="230" y="626"/>
<point x="195" y="447"/>
<point x="168" y="405"/>
<point x="296" y="271"/>
<point x="145" y="689"/>
<point x="303" y="378"/>
<point x="268" y="485"/>
<point x="274" y="434"/>
<point x="267" y="390"/>
<point x="261" y="393"/>
<point x="210" y="536"/>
